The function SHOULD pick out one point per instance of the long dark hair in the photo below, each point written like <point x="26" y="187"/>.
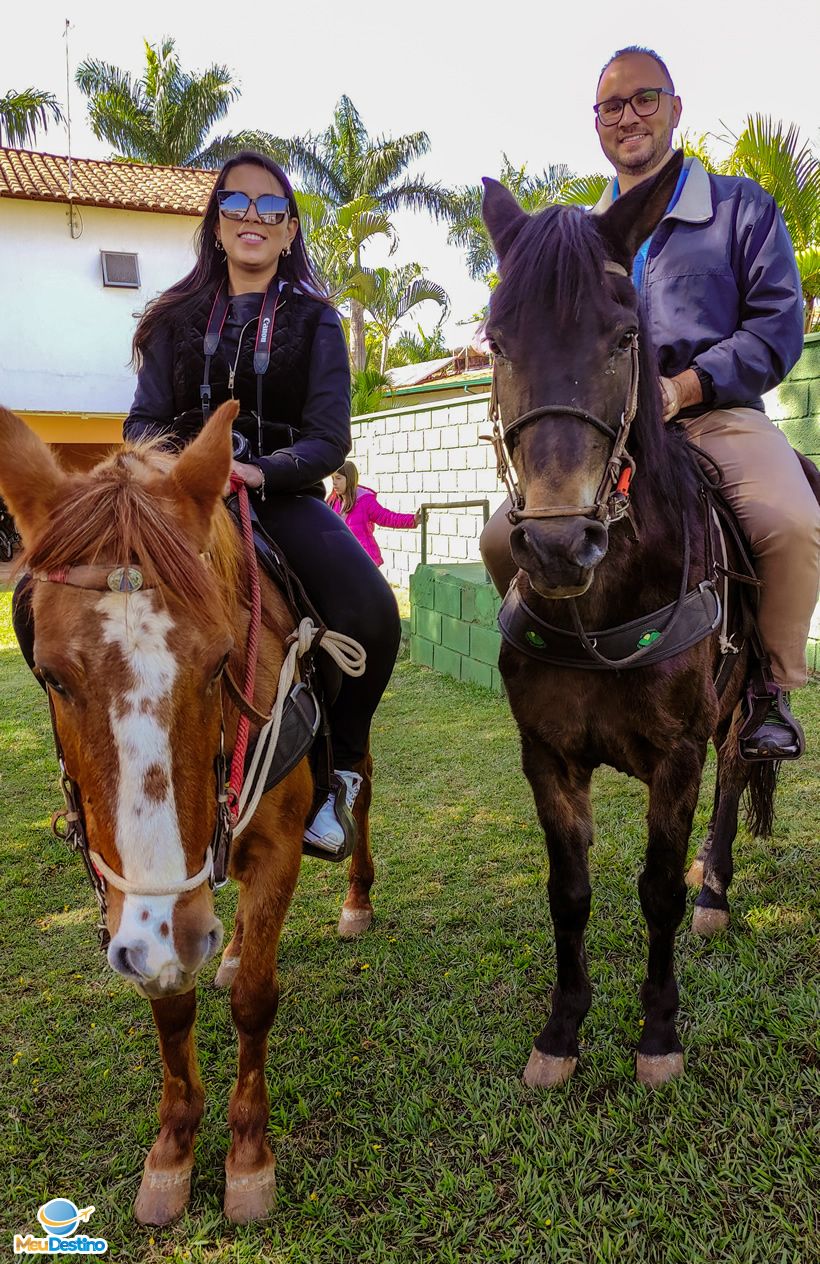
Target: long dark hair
<point x="209" y="270"/>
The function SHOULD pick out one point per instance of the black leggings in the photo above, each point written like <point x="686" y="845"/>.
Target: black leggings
<point x="349" y="593"/>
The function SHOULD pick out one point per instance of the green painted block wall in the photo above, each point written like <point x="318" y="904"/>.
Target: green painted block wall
<point x="453" y="623"/>
<point x="797" y="408"/>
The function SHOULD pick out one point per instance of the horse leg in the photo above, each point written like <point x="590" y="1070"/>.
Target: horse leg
<point x="711" y="912"/>
<point x="673" y="796"/>
<point x="562" y="801"/>
<point x="357" y="911"/>
<point x="694" y="875"/>
<point x="166" y="1181"/>
<point x="268" y="883"/>
<point x="231" y="955"/>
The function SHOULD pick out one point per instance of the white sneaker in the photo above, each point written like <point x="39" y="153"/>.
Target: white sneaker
<point x="325" y="830"/>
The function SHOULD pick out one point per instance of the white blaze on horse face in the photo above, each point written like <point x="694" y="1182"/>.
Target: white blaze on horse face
<point x="147" y="825"/>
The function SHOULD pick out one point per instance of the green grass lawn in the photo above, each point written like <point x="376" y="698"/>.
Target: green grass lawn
<point x="400" y="1124"/>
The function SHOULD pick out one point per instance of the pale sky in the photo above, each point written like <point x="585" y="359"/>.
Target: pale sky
<point x="480" y="78"/>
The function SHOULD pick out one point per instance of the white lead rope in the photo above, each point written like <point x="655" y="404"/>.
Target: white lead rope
<point x="349" y="656"/>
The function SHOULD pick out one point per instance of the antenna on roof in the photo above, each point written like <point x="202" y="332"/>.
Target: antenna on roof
<point x="72" y="221"/>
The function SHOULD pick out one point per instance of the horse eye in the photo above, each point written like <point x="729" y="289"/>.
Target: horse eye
<point x="48" y="678"/>
<point x="223" y="663"/>
<point x="626" y="340"/>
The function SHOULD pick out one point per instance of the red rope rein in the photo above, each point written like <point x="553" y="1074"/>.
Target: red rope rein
<point x="240" y="749"/>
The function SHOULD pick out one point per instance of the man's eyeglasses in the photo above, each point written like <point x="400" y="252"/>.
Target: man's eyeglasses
<point x="235" y="205"/>
<point x="644" y="102"/>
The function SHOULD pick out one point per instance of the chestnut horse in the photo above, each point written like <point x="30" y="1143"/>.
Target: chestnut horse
<point x="572" y="372"/>
<point x="136" y="697"/>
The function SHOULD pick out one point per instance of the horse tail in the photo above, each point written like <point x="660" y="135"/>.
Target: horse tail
<point x="758" y="800"/>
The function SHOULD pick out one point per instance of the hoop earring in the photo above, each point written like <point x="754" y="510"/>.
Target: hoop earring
<point x="219" y="247"/>
<point x="286" y="252"/>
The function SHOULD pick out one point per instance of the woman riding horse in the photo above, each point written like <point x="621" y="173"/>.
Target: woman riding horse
<point x="249" y="322"/>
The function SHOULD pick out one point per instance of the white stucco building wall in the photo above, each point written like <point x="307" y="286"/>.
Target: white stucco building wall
<point x="65" y="338"/>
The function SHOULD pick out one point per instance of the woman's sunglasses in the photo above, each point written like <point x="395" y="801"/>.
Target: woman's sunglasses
<point x="235" y="205"/>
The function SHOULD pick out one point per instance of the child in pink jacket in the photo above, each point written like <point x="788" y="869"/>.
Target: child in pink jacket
<point x="361" y="510"/>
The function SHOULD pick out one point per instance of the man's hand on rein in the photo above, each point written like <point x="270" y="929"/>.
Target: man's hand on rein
<point x="679" y="392"/>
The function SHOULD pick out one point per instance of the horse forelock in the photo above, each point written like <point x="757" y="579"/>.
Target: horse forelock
<point x="126" y="512"/>
<point x="555" y="262"/>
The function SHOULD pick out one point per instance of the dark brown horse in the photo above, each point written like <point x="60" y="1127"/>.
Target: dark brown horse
<point x="134" y="673"/>
<point x="572" y="371"/>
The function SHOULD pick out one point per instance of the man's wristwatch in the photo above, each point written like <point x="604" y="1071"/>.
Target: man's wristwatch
<point x="707" y="386"/>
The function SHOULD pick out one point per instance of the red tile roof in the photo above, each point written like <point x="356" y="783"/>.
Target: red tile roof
<point x="124" y="185"/>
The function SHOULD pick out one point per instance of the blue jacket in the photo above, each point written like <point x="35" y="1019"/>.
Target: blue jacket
<point x="721" y="289"/>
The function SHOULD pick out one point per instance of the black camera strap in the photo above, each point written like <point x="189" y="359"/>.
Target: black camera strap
<point x="261" y="352"/>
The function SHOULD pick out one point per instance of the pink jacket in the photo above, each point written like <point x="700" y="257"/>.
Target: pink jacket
<point x="366" y="513"/>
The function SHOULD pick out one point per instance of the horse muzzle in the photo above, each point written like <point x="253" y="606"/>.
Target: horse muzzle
<point x="155" y="967"/>
<point x="559" y="555"/>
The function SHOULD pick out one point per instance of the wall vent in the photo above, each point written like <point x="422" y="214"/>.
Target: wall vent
<point x="120" y="270"/>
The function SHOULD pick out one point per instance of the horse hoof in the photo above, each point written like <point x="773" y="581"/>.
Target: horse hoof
<point x="657" y="1069"/>
<point x="354" y="922"/>
<point x="694" y="876"/>
<point x="251" y="1197"/>
<point x="545" y="1071"/>
<point x="227" y="971"/>
<point x="709" y="922"/>
<point x="163" y="1196"/>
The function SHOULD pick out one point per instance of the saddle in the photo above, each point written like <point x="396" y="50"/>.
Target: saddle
<point x="305" y="729"/>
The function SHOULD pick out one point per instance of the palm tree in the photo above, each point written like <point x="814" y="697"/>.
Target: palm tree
<point x="336" y="234"/>
<point x="368" y="388"/>
<point x="389" y="296"/>
<point x="419" y="347"/>
<point x="165" y="116"/>
<point x="534" y="191"/>
<point x="23" y="113"/>
<point x="344" y="164"/>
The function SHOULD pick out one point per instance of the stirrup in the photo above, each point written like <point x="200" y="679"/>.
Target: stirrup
<point x="344" y="817"/>
<point x="770" y="731"/>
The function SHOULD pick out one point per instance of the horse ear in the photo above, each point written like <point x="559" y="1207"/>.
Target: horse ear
<point x="502" y="215"/>
<point x="31" y="481"/>
<point x="201" y="471"/>
<point x="635" y="215"/>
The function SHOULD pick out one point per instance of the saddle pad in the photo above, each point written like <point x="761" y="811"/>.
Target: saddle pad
<point x="525" y="631"/>
<point x="301" y="717"/>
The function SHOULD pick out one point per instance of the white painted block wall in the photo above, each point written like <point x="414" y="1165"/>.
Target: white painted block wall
<point x="428" y="453"/>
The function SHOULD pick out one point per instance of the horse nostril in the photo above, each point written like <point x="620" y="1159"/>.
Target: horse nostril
<point x="213" y="942"/>
<point x="129" y="961"/>
<point x="593" y="545"/>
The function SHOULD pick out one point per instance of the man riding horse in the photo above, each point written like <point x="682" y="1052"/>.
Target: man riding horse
<point x="721" y="296"/>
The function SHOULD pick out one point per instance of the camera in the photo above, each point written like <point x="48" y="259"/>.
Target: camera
<point x="241" y="446"/>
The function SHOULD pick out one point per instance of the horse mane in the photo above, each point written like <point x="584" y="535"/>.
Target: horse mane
<point x="113" y="515"/>
<point x="556" y="264"/>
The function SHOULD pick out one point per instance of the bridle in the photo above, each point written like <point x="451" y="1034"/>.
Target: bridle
<point x="612" y="497"/>
<point x="69" y="824"/>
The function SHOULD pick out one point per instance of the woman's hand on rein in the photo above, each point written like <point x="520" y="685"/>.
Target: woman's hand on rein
<point x="251" y="476"/>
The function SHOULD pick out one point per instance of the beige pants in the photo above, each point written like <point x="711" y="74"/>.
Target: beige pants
<point x="775" y="505"/>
